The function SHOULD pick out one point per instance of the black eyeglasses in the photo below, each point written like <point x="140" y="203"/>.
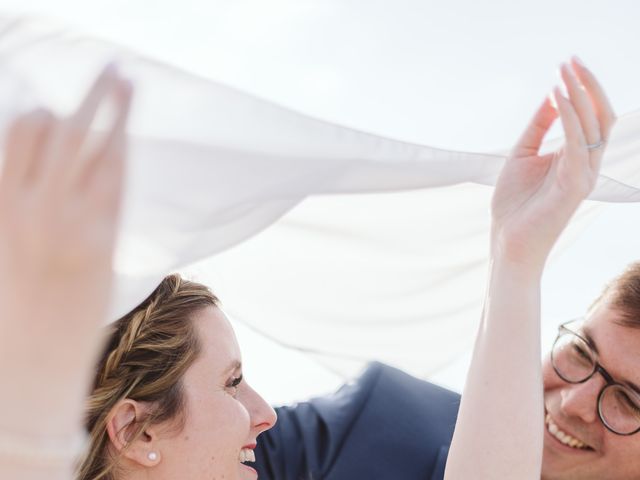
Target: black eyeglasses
<point x="575" y="361"/>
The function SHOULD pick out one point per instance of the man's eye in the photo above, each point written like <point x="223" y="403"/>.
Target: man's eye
<point x="628" y="403"/>
<point x="581" y="352"/>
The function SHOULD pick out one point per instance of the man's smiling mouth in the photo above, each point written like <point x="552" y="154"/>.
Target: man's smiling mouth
<point x="564" y="437"/>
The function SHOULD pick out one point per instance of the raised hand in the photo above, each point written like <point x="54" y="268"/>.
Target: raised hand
<point x="60" y="187"/>
<point x="60" y="190"/>
<point x="535" y="197"/>
<point x="536" y="194"/>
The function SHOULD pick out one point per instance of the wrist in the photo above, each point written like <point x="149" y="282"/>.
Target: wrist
<point x="524" y="270"/>
<point x="518" y="255"/>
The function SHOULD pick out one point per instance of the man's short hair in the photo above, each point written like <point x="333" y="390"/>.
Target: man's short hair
<point x="623" y="294"/>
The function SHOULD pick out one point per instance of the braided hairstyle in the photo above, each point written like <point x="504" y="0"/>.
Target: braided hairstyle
<point x="148" y="352"/>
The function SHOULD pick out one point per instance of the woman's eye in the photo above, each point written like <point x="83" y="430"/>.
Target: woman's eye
<point x="233" y="384"/>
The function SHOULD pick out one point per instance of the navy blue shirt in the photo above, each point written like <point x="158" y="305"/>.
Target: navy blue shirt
<point x="386" y="425"/>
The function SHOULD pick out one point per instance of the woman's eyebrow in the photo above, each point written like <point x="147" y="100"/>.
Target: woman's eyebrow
<point x="233" y="366"/>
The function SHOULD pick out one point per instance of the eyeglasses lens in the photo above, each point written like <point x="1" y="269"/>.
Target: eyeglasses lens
<point x="572" y="358"/>
<point x="574" y="361"/>
<point x="620" y="409"/>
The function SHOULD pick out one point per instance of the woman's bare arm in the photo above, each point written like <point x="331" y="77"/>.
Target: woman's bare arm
<point x="499" y="434"/>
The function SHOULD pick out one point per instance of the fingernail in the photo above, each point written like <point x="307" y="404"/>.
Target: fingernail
<point x="564" y="68"/>
<point x="558" y="94"/>
<point x="111" y="69"/>
<point x="562" y="71"/>
<point x="570" y="72"/>
<point x="576" y="59"/>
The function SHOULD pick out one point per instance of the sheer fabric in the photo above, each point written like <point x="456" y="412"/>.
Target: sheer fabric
<point x="350" y="247"/>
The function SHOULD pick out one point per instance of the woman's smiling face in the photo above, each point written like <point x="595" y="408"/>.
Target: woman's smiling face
<point x="223" y="415"/>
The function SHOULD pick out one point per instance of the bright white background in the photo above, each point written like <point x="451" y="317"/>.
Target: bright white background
<point x="459" y="74"/>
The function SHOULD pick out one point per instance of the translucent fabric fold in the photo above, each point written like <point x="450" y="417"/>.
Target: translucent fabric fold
<point x="379" y="243"/>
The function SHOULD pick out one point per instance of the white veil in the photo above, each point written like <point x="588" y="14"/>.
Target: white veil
<point x="370" y="265"/>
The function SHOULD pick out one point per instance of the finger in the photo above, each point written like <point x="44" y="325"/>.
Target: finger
<point x="64" y="155"/>
<point x="531" y="140"/>
<point x="105" y="169"/>
<point x="114" y="138"/>
<point x="576" y="154"/>
<point x="601" y="105"/>
<point x="570" y="121"/>
<point x="582" y="105"/>
<point x="103" y="191"/>
<point x="25" y="142"/>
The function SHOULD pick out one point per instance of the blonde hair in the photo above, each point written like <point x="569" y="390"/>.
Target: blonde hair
<point x="147" y="353"/>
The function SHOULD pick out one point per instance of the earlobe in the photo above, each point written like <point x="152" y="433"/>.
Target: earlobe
<point x="122" y="428"/>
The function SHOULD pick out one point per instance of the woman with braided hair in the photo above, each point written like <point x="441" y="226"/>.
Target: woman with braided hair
<point x="169" y="394"/>
<point x="169" y="389"/>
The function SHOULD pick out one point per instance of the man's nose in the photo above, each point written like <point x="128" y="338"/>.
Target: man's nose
<point x="581" y="399"/>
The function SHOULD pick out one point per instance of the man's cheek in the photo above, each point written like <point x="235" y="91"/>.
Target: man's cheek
<point x="549" y="378"/>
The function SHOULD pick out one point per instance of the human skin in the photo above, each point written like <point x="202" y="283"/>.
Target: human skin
<point x="572" y="407"/>
<point x="534" y="199"/>
<point x="219" y="419"/>
<point x="59" y="206"/>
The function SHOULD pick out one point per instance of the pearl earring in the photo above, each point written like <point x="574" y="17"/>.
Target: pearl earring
<point x="153" y="456"/>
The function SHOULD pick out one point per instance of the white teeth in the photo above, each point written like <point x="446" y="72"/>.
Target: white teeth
<point x="247" y="455"/>
<point x="563" y="436"/>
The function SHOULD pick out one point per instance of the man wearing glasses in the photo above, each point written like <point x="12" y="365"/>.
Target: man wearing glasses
<point x="390" y="426"/>
<point x="592" y="398"/>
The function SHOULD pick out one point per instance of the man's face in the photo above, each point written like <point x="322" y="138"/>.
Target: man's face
<point x="572" y="408"/>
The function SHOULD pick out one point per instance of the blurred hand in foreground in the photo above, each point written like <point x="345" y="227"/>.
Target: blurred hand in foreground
<point x="60" y="192"/>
